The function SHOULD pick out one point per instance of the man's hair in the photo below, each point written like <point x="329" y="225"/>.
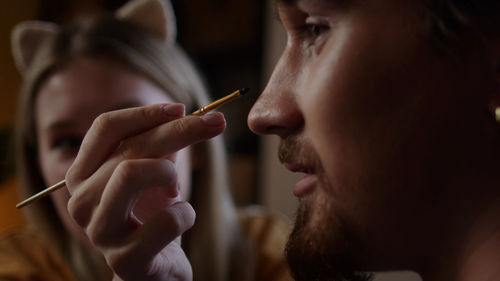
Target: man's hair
<point x="453" y="24"/>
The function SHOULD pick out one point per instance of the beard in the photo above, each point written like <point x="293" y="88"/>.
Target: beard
<point x="321" y="251"/>
<point x="320" y="246"/>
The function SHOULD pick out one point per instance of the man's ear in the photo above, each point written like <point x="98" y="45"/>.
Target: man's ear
<point x="26" y="38"/>
<point x="156" y="16"/>
<point x="494" y="99"/>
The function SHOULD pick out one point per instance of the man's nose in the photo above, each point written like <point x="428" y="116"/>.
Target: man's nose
<point x="276" y="111"/>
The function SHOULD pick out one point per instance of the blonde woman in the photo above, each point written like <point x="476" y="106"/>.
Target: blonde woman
<point x="105" y="99"/>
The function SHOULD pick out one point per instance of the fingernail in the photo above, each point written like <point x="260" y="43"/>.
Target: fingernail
<point x="213" y="119"/>
<point x="173" y="109"/>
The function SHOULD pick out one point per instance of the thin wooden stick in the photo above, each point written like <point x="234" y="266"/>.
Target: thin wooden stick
<point x="41" y="194"/>
<point x="202" y="111"/>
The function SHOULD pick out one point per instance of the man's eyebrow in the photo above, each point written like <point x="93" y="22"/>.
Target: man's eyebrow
<point x="285" y="2"/>
<point x="281" y="2"/>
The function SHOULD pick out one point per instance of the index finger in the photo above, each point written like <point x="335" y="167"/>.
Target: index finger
<point x="110" y="128"/>
<point x="171" y="137"/>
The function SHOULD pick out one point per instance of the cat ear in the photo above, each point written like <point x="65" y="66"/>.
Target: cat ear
<point x="26" y="38"/>
<point x="156" y="16"/>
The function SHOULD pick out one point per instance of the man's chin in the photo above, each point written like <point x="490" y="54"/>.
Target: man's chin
<point x="318" y="247"/>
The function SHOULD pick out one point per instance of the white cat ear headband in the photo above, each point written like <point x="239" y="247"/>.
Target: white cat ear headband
<point x="156" y="16"/>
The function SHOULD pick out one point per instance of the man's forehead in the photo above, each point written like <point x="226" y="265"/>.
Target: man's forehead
<point x="332" y="4"/>
<point x="288" y="2"/>
<point x="295" y="2"/>
<point x="312" y="2"/>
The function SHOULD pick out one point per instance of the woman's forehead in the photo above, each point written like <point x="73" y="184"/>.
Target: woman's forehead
<point x="87" y="88"/>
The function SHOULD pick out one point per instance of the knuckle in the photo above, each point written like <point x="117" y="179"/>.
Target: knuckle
<point x="95" y="234"/>
<point x="129" y="147"/>
<point x="70" y="176"/>
<point x="179" y="218"/>
<point x="77" y="211"/>
<point x="147" y="113"/>
<point x="181" y="127"/>
<point x="73" y="176"/>
<point x="168" y="169"/>
<point x="174" y="220"/>
<point x="167" y="164"/>
<point x="102" y="122"/>
<point x="190" y="215"/>
<point x="126" y="170"/>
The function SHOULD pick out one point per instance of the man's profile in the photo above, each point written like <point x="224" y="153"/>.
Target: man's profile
<point x="388" y="107"/>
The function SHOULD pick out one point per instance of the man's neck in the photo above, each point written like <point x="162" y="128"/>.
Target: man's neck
<point x="483" y="260"/>
<point x="477" y="257"/>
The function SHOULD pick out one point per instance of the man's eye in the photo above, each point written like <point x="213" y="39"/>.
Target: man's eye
<point x="315" y="30"/>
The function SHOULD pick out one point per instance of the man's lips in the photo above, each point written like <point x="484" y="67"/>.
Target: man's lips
<point x="306" y="184"/>
<point x="297" y="168"/>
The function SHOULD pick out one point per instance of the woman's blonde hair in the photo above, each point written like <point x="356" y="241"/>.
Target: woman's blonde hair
<point x="214" y="245"/>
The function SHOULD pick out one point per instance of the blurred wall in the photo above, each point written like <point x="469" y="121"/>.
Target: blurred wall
<point x="11" y="13"/>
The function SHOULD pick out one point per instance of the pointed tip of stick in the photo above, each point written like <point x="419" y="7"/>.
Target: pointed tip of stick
<point x="244" y="90"/>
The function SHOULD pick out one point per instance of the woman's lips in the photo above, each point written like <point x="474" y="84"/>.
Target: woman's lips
<point x="305" y="185"/>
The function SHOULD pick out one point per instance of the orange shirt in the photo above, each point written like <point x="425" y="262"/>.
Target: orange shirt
<point x="25" y="257"/>
<point x="268" y="234"/>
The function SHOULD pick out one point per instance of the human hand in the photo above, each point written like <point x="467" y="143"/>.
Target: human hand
<point x="124" y="188"/>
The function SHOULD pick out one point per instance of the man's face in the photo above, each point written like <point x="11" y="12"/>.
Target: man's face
<point x="376" y="120"/>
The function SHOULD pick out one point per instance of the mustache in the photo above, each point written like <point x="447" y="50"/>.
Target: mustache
<point x="287" y="149"/>
<point x="294" y="150"/>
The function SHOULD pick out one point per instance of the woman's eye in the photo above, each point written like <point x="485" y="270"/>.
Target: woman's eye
<point x="67" y="143"/>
